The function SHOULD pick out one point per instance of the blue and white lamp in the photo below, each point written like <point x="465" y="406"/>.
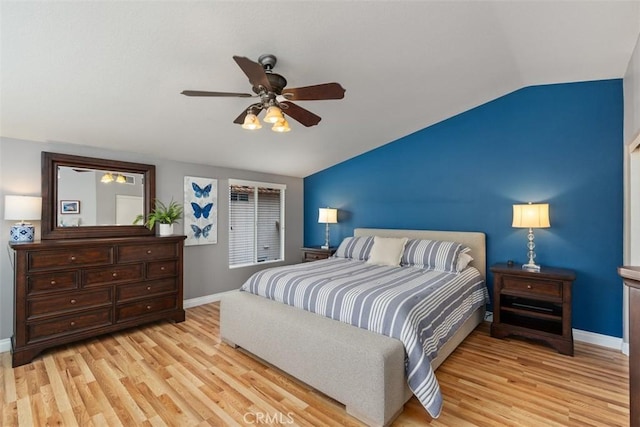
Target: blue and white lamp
<point x="22" y="208"/>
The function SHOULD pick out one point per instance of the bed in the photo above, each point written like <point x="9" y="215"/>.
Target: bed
<point x="363" y="370"/>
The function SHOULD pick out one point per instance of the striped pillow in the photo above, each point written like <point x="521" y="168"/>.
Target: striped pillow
<point x="433" y="254"/>
<point x="357" y="248"/>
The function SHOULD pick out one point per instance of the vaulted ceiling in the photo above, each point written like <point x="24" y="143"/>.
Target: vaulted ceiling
<point x="109" y="73"/>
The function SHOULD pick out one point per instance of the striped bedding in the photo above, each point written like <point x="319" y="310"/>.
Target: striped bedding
<point x="422" y="308"/>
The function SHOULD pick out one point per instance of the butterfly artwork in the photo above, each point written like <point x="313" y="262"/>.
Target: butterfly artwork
<point x="200" y="210"/>
<point x="204" y="232"/>
<point x="201" y="192"/>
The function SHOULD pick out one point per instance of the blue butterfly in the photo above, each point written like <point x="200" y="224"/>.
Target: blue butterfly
<point x="204" y="231"/>
<point x="201" y="192"/>
<point x="201" y="211"/>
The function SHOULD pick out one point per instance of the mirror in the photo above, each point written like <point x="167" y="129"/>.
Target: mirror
<point x="90" y="197"/>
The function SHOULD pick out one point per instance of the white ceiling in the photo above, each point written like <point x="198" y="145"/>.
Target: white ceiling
<point x="110" y="73"/>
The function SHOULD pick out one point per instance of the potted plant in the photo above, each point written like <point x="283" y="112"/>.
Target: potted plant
<point x="164" y="215"/>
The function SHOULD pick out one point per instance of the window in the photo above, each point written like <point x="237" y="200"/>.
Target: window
<point x="256" y="222"/>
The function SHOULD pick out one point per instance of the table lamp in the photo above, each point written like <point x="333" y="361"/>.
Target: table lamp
<point x="327" y="216"/>
<point x="531" y="216"/>
<point x="22" y="208"/>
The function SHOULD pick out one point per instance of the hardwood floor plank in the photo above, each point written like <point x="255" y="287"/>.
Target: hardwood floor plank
<point x="167" y="374"/>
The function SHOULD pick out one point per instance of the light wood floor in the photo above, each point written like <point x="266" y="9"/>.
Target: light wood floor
<point x="181" y="375"/>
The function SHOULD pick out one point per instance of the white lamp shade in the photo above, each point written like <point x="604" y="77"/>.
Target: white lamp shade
<point x="22" y="208"/>
<point x="531" y="216"/>
<point x="328" y="216"/>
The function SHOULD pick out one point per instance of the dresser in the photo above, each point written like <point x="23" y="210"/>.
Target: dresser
<point x="72" y="289"/>
<point x="631" y="277"/>
<point x="533" y="304"/>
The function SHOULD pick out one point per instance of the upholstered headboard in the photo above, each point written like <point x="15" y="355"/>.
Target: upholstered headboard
<point x="475" y="240"/>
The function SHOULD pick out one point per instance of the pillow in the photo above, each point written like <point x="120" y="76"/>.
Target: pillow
<point x="463" y="261"/>
<point x="387" y="251"/>
<point x="357" y="248"/>
<point x="433" y="254"/>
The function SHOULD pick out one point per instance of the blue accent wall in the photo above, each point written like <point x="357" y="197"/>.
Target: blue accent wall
<point x="559" y="144"/>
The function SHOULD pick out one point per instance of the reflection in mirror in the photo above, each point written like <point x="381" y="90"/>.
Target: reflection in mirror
<point x="98" y="197"/>
<point x="92" y="197"/>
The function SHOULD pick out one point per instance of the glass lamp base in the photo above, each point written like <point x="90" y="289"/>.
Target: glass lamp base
<point x="531" y="267"/>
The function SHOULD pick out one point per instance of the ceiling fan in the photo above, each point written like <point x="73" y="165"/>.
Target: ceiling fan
<point x="275" y="98"/>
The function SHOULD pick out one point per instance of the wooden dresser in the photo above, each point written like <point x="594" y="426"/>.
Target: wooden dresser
<point x="67" y="290"/>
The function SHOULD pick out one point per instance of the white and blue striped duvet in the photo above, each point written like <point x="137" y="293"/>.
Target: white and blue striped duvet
<point x="422" y="308"/>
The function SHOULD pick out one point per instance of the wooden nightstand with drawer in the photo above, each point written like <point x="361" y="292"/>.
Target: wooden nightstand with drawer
<point x="315" y="253"/>
<point x="535" y="305"/>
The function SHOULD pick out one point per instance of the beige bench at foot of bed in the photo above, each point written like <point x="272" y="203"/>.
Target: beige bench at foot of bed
<point x="360" y="369"/>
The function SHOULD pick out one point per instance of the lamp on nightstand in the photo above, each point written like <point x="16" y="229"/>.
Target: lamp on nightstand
<point x="22" y="208"/>
<point x="327" y="216"/>
<point x="531" y="216"/>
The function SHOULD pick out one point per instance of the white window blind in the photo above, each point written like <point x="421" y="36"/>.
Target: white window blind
<point x="256" y="222"/>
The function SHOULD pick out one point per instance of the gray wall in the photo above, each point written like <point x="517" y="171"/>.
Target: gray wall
<point x="206" y="269"/>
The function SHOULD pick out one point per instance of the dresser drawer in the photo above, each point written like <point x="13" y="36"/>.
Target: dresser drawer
<point x="532" y="287"/>
<point x="115" y="273"/>
<point x="159" y="269"/>
<point x="64" y="258"/>
<point x="50" y="305"/>
<point x="146" y="289"/>
<point x="314" y="256"/>
<point x="127" y="253"/>
<point x="144" y="308"/>
<point x="50" y="282"/>
<point x="69" y="325"/>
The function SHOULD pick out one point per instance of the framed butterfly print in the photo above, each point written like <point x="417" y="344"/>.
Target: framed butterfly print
<point x="200" y="210"/>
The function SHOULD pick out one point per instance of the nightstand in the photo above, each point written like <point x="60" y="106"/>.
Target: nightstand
<point x="533" y="304"/>
<point x="314" y="253"/>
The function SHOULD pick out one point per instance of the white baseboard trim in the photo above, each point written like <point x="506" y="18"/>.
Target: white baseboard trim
<point x="589" y="337"/>
<point x="194" y="302"/>
<point x="5" y="345"/>
<point x="598" y="339"/>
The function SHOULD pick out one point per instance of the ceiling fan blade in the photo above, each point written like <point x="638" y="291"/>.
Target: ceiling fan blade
<point x="256" y="110"/>
<point x="255" y="72"/>
<point x="316" y="92"/>
<point x="204" y="93"/>
<point x="298" y="113"/>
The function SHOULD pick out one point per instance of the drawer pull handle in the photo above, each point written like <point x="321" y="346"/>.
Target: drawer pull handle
<point x="148" y="307"/>
<point x="72" y="323"/>
<point x="528" y="286"/>
<point x="149" y="251"/>
<point x="162" y="268"/>
<point x="148" y="288"/>
<point x="73" y="258"/>
<point x="115" y="274"/>
<point x="73" y="301"/>
<point x="53" y="283"/>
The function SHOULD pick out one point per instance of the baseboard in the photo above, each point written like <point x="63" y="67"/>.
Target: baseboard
<point x="589" y="337"/>
<point x="5" y="345"/>
<point x="598" y="339"/>
<point x="194" y="302"/>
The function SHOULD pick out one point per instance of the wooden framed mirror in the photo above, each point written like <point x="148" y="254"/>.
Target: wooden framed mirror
<point x="85" y="197"/>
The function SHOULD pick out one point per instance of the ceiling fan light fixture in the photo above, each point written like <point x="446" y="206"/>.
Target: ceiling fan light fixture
<point x="251" y="122"/>
<point x="281" y="126"/>
<point x="274" y="114"/>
